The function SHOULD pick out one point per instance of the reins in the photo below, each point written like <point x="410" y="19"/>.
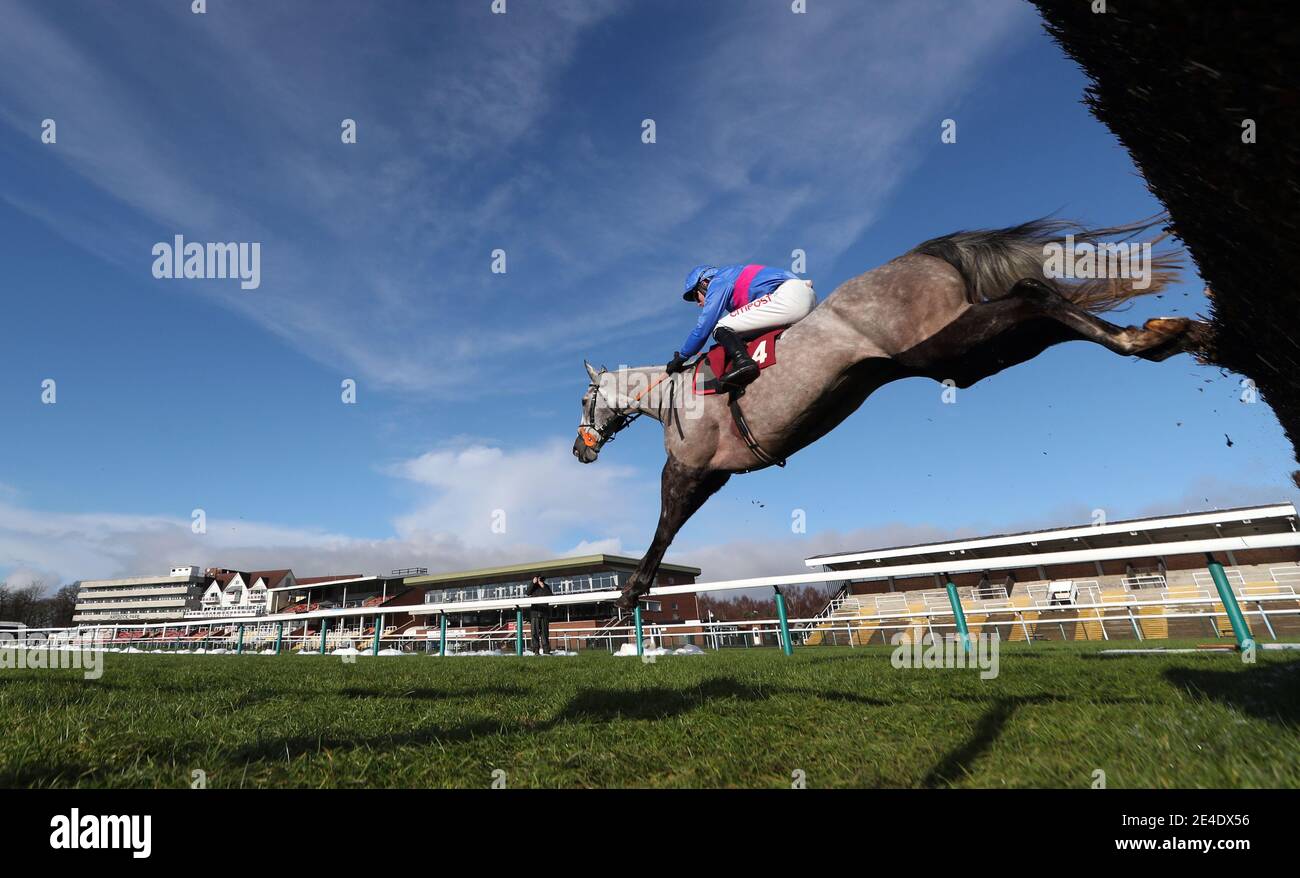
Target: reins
<point x="653" y="385"/>
<point x="590" y="432"/>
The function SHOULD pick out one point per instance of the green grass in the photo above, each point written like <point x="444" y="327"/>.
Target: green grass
<point x="741" y="718"/>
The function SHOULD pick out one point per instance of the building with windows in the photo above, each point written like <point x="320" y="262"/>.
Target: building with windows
<point x="338" y="592"/>
<point x="231" y="593"/>
<point x="140" y="599"/>
<point x="187" y="594"/>
<point x="213" y="599"/>
<point x="587" y="573"/>
<point x="1142" y="578"/>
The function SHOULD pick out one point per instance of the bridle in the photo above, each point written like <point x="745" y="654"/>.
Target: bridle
<point x="595" y="437"/>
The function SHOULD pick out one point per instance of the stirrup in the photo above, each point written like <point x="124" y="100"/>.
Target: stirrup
<point x="741" y="375"/>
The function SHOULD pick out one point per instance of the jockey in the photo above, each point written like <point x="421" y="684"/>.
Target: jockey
<point x="740" y="300"/>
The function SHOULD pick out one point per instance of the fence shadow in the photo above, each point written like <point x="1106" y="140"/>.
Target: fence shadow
<point x="1265" y="691"/>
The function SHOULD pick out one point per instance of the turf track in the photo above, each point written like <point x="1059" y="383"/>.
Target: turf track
<point x="740" y="718"/>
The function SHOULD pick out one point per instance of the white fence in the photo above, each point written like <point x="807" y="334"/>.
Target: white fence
<point x="889" y="614"/>
<point x="853" y="628"/>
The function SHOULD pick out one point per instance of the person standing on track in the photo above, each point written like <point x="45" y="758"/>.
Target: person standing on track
<point x="539" y="616"/>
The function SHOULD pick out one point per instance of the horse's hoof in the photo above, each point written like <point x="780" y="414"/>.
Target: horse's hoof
<point x="1167" y="325"/>
<point x="626" y="601"/>
<point x="1174" y="335"/>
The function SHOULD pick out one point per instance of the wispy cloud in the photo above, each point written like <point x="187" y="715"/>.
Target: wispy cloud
<point x="472" y="504"/>
<point x="376" y="256"/>
<point x="479" y="492"/>
<point x="551" y="509"/>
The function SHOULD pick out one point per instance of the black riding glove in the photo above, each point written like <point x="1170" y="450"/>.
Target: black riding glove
<point x="676" y="364"/>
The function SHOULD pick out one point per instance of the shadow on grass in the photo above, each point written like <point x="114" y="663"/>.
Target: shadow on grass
<point x="990" y="726"/>
<point x="426" y="693"/>
<point x="184" y="754"/>
<point x="1264" y="691"/>
<point x="608" y="705"/>
<point x="85" y="692"/>
<point x="587" y="705"/>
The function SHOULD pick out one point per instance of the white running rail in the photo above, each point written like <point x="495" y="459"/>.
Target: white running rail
<point x="1144" y="580"/>
<point x="1233" y="575"/>
<point x="1288" y="575"/>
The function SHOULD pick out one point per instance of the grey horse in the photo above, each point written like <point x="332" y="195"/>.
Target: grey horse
<point x="957" y="309"/>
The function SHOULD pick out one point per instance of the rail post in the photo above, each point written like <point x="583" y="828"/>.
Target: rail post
<point x="239" y="644"/>
<point x="324" y="630"/>
<point x="519" y="630"/>
<point x="279" y="636"/>
<point x="1263" y="614"/>
<point x="786" y="646"/>
<point x="374" y="647"/>
<point x="636" y="617"/>
<point x="442" y="634"/>
<point x="1240" y="629"/>
<point x="958" y="615"/>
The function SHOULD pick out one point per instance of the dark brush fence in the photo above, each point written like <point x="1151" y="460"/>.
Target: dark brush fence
<point x="1176" y="81"/>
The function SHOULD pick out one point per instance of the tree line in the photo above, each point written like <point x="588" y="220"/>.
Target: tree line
<point x="801" y="602"/>
<point x="32" y="607"/>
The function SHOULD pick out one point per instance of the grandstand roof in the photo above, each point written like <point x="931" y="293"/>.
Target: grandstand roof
<point x="272" y="577"/>
<point x="324" y="582"/>
<point x="601" y="560"/>
<point x="1004" y="550"/>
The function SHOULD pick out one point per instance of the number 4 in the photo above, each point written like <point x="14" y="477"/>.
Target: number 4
<point x="760" y="353"/>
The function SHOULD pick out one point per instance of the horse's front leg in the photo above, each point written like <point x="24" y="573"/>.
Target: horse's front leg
<point x="683" y="491"/>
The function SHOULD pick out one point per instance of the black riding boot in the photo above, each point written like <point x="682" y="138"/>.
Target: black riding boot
<point x="743" y="368"/>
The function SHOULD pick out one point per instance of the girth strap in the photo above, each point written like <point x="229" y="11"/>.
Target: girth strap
<point x="733" y="403"/>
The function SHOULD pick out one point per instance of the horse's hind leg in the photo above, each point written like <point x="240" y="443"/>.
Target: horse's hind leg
<point x="1158" y="339"/>
<point x="991" y="336"/>
<point x="683" y="491"/>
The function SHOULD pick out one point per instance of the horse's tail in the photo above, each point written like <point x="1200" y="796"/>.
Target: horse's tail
<point x="991" y="261"/>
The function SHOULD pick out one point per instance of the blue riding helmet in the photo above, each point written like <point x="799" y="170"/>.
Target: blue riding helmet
<point x="697" y="274"/>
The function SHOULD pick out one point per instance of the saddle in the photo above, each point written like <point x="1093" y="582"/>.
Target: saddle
<point x="715" y="362"/>
<point x="706" y="382"/>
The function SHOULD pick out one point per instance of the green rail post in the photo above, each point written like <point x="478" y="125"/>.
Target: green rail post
<point x="442" y="635"/>
<point x="324" y="630"/>
<point x="239" y="644"/>
<point x="786" y="646"/>
<point x="640" y="641"/>
<point x="1239" y="628"/>
<point x="279" y="636"/>
<point x="374" y="647"/>
<point x="519" y="631"/>
<point x="959" y="615"/>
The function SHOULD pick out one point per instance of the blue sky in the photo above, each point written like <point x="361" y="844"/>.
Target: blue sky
<point x="522" y="131"/>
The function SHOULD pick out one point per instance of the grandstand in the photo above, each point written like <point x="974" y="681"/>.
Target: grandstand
<point x="476" y="610"/>
<point x="575" y="623"/>
<point x="1141" y="579"/>
<point x="1088" y="582"/>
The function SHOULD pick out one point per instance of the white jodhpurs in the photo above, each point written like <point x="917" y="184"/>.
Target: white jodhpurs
<point x="788" y="303"/>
